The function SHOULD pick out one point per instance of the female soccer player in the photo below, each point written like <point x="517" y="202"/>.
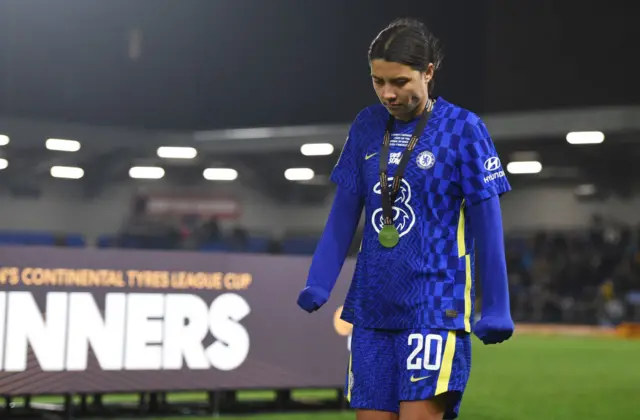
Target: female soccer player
<point x="429" y="179"/>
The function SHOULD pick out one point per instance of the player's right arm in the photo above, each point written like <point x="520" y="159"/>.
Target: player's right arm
<point x="340" y="228"/>
<point x="483" y="182"/>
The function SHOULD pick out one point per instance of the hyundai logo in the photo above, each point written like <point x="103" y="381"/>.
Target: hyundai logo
<point x="492" y="164"/>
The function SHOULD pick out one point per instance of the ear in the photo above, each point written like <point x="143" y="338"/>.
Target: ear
<point x="428" y="74"/>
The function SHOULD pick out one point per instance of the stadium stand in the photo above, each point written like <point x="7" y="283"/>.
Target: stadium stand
<point x="575" y="277"/>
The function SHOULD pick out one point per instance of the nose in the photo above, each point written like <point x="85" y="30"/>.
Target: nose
<point x="388" y="94"/>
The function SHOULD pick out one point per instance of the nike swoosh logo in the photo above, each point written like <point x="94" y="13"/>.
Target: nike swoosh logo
<point x="367" y="157"/>
<point x="414" y="379"/>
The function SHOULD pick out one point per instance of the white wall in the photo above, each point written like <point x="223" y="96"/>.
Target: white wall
<point x="64" y="210"/>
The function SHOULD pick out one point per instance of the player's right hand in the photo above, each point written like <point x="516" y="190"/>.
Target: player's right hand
<point x="311" y="298"/>
<point x="493" y="329"/>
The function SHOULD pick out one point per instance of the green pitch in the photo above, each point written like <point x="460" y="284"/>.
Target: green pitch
<point x="527" y="378"/>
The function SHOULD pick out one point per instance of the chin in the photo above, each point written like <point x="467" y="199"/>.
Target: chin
<point x="397" y="111"/>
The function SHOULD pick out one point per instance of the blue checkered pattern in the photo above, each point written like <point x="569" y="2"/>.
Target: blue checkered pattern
<point x="422" y="281"/>
<point x="380" y="376"/>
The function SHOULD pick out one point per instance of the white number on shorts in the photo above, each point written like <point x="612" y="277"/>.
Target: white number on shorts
<point x="424" y="345"/>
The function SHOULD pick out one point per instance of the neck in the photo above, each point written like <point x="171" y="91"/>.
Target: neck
<point x="422" y="107"/>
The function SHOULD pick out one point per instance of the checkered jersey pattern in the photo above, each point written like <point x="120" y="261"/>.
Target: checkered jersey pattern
<point x="424" y="281"/>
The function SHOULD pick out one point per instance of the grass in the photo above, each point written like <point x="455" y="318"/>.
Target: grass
<point x="527" y="378"/>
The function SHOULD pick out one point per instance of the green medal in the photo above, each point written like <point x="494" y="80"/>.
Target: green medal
<point x="389" y="236"/>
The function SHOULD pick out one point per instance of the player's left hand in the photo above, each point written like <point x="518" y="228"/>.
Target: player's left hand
<point x="492" y="329"/>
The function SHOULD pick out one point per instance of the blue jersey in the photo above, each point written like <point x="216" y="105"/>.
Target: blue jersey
<point x="426" y="280"/>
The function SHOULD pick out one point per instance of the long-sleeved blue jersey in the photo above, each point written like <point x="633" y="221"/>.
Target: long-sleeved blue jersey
<point x="427" y="279"/>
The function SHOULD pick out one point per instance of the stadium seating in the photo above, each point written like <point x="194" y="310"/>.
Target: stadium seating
<point x="14" y="238"/>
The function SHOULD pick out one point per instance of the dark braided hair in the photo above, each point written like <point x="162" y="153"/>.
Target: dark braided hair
<point x="408" y="41"/>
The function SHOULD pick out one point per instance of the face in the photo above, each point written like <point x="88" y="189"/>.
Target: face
<point x="401" y="89"/>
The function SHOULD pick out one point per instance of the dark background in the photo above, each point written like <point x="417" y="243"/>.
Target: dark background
<point x="232" y="63"/>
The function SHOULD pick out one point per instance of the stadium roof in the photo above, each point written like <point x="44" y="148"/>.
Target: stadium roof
<point x="261" y="155"/>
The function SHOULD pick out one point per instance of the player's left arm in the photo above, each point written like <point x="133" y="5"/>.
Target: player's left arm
<point x="496" y="324"/>
<point x="483" y="182"/>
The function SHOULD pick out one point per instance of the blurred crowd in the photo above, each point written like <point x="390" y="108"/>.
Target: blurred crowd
<point x="590" y="276"/>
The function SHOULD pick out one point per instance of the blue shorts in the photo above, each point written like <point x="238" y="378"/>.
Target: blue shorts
<point x="387" y="367"/>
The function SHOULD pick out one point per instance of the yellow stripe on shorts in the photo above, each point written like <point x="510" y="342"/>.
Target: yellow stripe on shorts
<point x="350" y="380"/>
<point x="447" y="363"/>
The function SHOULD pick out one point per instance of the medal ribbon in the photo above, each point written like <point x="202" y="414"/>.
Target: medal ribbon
<point x="390" y="197"/>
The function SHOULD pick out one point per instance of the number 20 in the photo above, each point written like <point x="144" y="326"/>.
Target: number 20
<point x="424" y="343"/>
